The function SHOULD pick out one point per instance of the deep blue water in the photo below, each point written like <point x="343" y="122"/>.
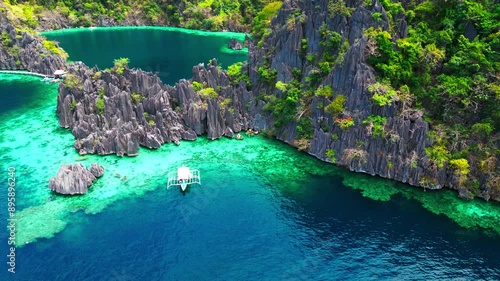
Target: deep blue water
<point x="247" y="232"/>
<point x="17" y="92"/>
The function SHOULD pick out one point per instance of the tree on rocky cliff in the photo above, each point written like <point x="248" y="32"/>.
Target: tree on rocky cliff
<point x="121" y="64"/>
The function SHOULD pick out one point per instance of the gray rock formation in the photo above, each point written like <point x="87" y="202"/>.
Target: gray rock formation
<point x="470" y="31"/>
<point x="141" y="111"/>
<point x="53" y="20"/>
<point x="96" y="170"/>
<point x="75" y="178"/>
<point x="399" y="153"/>
<point x="25" y="51"/>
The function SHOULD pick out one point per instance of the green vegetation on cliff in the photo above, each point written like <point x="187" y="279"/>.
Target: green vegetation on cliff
<point x="53" y="48"/>
<point x="120" y="65"/>
<point x="12" y="40"/>
<point x="453" y="77"/>
<point x="236" y="15"/>
<point x="437" y="61"/>
<point x="263" y="19"/>
<point x="449" y="67"/>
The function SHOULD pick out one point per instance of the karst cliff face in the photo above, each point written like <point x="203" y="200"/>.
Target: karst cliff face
<point x="299" y="36"/>
<point x="398" y="155"/>
<point x="160" y="113"/>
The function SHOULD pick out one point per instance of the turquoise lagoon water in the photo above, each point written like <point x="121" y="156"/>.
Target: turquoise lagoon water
<point x="263" y="212"/>
<point x="168" y="51"/>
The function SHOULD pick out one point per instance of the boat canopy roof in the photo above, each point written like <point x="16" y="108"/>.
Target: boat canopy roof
<point x="183" y="173"/>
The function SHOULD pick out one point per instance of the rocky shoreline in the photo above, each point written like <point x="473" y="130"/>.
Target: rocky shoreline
<point x="399" y="152"/>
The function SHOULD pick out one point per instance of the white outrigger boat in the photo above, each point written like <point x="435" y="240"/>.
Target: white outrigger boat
<point x="183" y="177"/>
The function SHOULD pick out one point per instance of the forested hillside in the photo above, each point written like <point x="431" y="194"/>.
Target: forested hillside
<point x="407" y="90"/>
<point x="235" y="15"/>
<point x="447" y="62"/>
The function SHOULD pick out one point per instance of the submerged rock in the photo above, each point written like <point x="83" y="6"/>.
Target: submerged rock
<point x="75" y="178"/>
<point x="97" y="170"/>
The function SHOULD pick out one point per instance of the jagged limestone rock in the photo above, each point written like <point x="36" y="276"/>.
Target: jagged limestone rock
<point x="31" y="54"/>
<point x="139" y="110"/>
<point x="96" y="170"/>
<point x="75" y="178"/>
<point x="169" y="114"/>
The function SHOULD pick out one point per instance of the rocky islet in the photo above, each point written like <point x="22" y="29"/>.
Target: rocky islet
<point x="74" y="179"/>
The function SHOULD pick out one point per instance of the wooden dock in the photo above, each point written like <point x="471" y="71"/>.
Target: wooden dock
<point x="21" y="72"/>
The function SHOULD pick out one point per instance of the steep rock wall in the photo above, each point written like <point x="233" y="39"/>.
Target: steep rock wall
<point x="21" y="50"/>
<point x="399" y="153"/>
